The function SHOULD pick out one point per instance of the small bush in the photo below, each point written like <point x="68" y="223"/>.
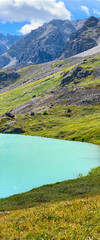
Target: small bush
<point x="45" y="113"/>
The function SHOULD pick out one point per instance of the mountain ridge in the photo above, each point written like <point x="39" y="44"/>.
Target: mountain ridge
<point x="53" y="37"/>
<point x="83" y="39"/>
<point x="54" y="40"/>
<point x="6" y="41"/>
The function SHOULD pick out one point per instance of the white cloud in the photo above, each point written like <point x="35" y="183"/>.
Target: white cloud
<point x="95" y="11"/>
<point x="29" y="27"/>
<point x="35" y="11"/>
<point x="86" y="10"/>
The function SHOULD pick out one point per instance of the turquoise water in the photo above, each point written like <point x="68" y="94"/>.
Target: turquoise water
<point x="27" y="162"/>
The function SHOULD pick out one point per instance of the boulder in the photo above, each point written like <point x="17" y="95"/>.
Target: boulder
<point x="10" y="115"/>
<point x="34" y="96"/>
<point x="68" y="110"/>
<point x="17" y="131"/>
<point x="32" y="114"/>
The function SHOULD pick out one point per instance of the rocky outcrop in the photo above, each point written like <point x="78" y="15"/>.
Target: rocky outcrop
<point x="7" y="78"/>
<point x="9" y="114"/>
<point x="76" y="75"/>
<point x="79" y="46"/>
<point x="17" y="131"/>
<point x="91" y="22"/>
<point x="83" y="39"/>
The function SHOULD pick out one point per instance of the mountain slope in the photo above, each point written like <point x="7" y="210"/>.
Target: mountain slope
<point x="91" y="52"/>
<point x="44" y="43"/>
<point x="51" y="41"/>
<point x="78" y="23"/>
<point x="54" y="100"/>
<point x="84" y="39"/>
<point x="7" y="41"/>
<point x="41" y="45"/>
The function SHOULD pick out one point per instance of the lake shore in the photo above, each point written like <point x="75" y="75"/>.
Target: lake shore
<point x="52" y="211"/>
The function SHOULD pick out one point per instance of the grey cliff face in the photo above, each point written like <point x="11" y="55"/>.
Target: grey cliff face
<point x="44" y="43"/>
<point x="84" y="38"/>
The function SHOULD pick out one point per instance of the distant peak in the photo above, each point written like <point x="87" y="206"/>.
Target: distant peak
<point x="57" y="22"/>
<point x="91" y="22"/>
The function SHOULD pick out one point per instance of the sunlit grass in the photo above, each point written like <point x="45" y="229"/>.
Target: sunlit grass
<point x="67" y="210"/>
<point x="82" y="125"/>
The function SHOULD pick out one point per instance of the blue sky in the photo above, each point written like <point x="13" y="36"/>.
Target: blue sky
<point x="75" y="7"/>
<point x="21" y="16"/>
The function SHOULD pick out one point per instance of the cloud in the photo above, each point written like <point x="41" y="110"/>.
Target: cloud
<point x="95" y="11"/>
<point x="29" y="27"/>
<point x="35" y="11"/>
<point x="86" y="10"/>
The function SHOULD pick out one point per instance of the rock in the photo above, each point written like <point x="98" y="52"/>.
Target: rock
<point x="10" y="115"/>
<point x="91" y="22"/>
<point x="8" y="78"/>
<point x="77" y="73"/>
<point x="68" y="110"/>
<point x="5" y="212"/>
<point x="66" y="80"/>
<point x="34" y="96"/>
<point x="85" y="61"/>
<point x="4" y="130"/>
<point x="32" y="114"/>
<point x="17" y="131"/>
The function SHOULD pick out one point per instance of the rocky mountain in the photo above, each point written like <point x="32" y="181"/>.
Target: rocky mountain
<point x="7" y="41"/>
<point x="41" y="45"/>
<point x="83" y="39"/>
<point x="78" y="23"/>
<point x="55" y="39"/>
<point x="44" y="43"/>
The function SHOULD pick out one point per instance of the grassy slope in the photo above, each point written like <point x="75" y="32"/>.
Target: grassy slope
<point x="83" y="125"/>
<point x="92" y="80"/>
<point x="67" y="210"/>
<point x="33" y="73"/>
<point x="14" y="98"/>
<point x="24" y="93"/>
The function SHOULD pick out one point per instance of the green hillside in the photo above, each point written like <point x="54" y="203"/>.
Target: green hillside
<point x="66" y="210"/>
<point x="64" y="104"/>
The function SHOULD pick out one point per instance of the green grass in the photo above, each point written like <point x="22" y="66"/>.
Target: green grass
<point x="77" y="188"/>
<point x="93" y="79"/>
<point x="82" y="125"/>
<point x="66" y="210"/>
<point x="15" y="97"/>
<point x="24" y="93"/>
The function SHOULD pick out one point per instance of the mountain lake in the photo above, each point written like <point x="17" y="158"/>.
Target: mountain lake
<point x="27" y="162"/>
